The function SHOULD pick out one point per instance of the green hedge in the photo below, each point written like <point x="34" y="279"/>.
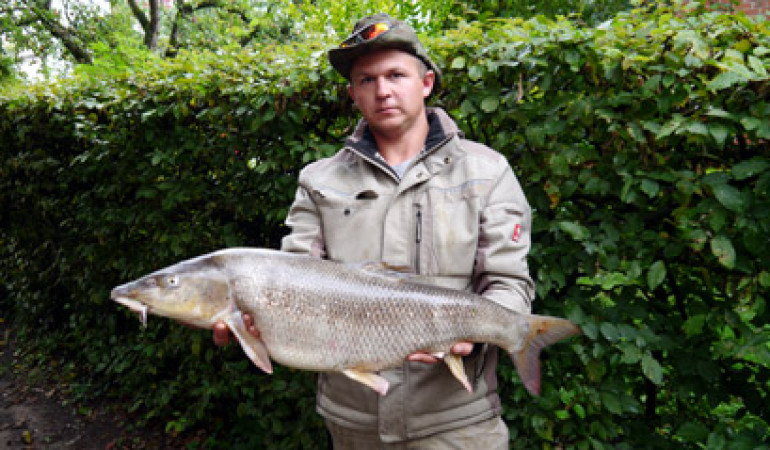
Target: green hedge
<point x="642" y="145"/>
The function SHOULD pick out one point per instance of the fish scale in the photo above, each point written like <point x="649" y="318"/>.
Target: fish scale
<point x="319" y="315"/>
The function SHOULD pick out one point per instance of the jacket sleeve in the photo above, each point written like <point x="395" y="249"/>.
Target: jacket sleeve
<point x="304" y="220"/>
<point x="501" y="272"/>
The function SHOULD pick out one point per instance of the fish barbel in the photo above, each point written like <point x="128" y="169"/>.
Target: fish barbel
<point x="320" y="315"/>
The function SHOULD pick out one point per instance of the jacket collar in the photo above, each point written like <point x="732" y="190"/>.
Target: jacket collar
<point x="442" y="127"/>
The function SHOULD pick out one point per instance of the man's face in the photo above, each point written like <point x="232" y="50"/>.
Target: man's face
<point x="389" y="87"/>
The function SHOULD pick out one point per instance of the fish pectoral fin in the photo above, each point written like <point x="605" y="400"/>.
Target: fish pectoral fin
<point x="254" y="348"/>
<point x="371" y="379"/>
<point x="455" y="364"/>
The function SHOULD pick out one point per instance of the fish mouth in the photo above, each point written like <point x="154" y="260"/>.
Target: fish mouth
<point x="135" y="306"/>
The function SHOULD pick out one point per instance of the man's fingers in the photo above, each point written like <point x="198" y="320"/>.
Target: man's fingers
<point x="250" y="327"/>
<point x="459" y="348"/>
<point x="221" y="334"/>
<point x="422" y="357"/>
<point x="462" y="348"/>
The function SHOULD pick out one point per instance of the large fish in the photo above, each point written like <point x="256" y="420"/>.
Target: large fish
<point x="324" y="316"/>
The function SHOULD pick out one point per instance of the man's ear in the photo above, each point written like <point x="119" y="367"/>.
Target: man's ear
<point x="351" y="93"/>
<point x="428" y="80"/>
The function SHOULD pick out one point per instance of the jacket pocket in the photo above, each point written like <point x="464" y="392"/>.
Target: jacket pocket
<point x="450" y="228"/>
<point x="343" y="216"/>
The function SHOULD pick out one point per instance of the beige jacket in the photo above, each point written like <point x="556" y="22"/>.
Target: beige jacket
<point x="459" y="218"/>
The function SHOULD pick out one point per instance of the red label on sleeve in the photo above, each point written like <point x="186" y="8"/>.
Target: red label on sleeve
<point x="516" y="233"/>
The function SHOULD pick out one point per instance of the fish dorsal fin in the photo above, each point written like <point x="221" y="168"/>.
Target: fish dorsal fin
<point x="254" y="348"/>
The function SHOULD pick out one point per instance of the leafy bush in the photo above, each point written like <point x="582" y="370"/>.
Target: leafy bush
<point x="642" y="145"/>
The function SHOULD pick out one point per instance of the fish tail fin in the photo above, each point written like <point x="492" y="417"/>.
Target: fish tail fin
<point x="543" y="331"/>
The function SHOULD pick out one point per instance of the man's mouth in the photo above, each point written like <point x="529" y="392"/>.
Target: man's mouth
<point x="387" y="109"/>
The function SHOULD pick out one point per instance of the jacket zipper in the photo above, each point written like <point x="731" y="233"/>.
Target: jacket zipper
<point x="418" y="239"/>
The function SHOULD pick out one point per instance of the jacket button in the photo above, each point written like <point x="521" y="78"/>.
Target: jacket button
<point x="347" y="211"/>
<point x="447" y="160"/>
<point x="419" y="175"/>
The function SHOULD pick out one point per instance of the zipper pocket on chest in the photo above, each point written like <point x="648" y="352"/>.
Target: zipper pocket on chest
<point x="418" y="238"/>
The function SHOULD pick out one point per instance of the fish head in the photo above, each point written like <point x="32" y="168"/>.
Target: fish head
<point x="195" y="292"/>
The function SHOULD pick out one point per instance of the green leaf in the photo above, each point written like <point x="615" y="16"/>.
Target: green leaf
<point x="757" y="66"/>
<point x="719" y="132"/>
<point x="694" y="325"/>
<point x="611" y="402"/>
<point x="693" y="432"/>
<point x="764" y="279"/>
<point x="716" y="441"/>
<point x="636" y="132"/>
<point x="719" y="112"/>
<point x="697" y="127"/>
<point x="458" y="62"/>
<point x="656" y="275"/>
<point x="751" y="123"/>
<point x="475" y="73"/>
<point x="575" y="230"/>
<point x="651" y="369"/>
<point x="650" y="187"/>
<point x="670" y="127"/>
<point x="729" y="197"/>
<point x="579" y="411"/>
<point x="490" y="104"/>
<point x="750" y="168"/>
<point x="607" y="281"/>
<point x="725" y="80"/>
<point x="609" y="331"/>
<point x="723" y="249"/>
<point x="467" y="108"/>
<point x="631" y="353"/>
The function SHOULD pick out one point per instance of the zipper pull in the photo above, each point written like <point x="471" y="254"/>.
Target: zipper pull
<point x="418" y="237"/>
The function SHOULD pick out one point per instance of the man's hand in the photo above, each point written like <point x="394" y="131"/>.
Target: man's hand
<point x="222" y="334"/>
<point x="460" y="349"/>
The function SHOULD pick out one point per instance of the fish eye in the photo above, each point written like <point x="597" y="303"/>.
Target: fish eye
<point x="172" y="281"/>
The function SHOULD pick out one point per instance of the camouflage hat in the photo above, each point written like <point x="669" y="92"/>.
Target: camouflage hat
<point x="386" y="32"/>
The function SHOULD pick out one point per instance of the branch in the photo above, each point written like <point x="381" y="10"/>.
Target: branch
<point x="140" y="16"/>
<point x="150" y="25"/>
<point x="65" y="35"/>
<point x="151" y="38"/>
<point x="184" y="9"/>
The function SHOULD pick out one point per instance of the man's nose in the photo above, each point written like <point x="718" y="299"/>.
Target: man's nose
<point x="383" y="87"/>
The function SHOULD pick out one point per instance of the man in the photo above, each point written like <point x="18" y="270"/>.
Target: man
<point x="408" y="190"/>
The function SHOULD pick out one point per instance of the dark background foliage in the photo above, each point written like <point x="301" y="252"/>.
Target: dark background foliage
<point x="642" y="145"/>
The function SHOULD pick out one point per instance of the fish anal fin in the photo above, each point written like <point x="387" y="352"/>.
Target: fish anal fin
<point x="544" y="331"/>
<point x="455" y="364"/>
<point x="371" y="379"/>
<point x="254" y="348"/>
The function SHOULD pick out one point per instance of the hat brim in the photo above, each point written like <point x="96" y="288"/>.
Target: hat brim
<point x="343" y="58"/>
